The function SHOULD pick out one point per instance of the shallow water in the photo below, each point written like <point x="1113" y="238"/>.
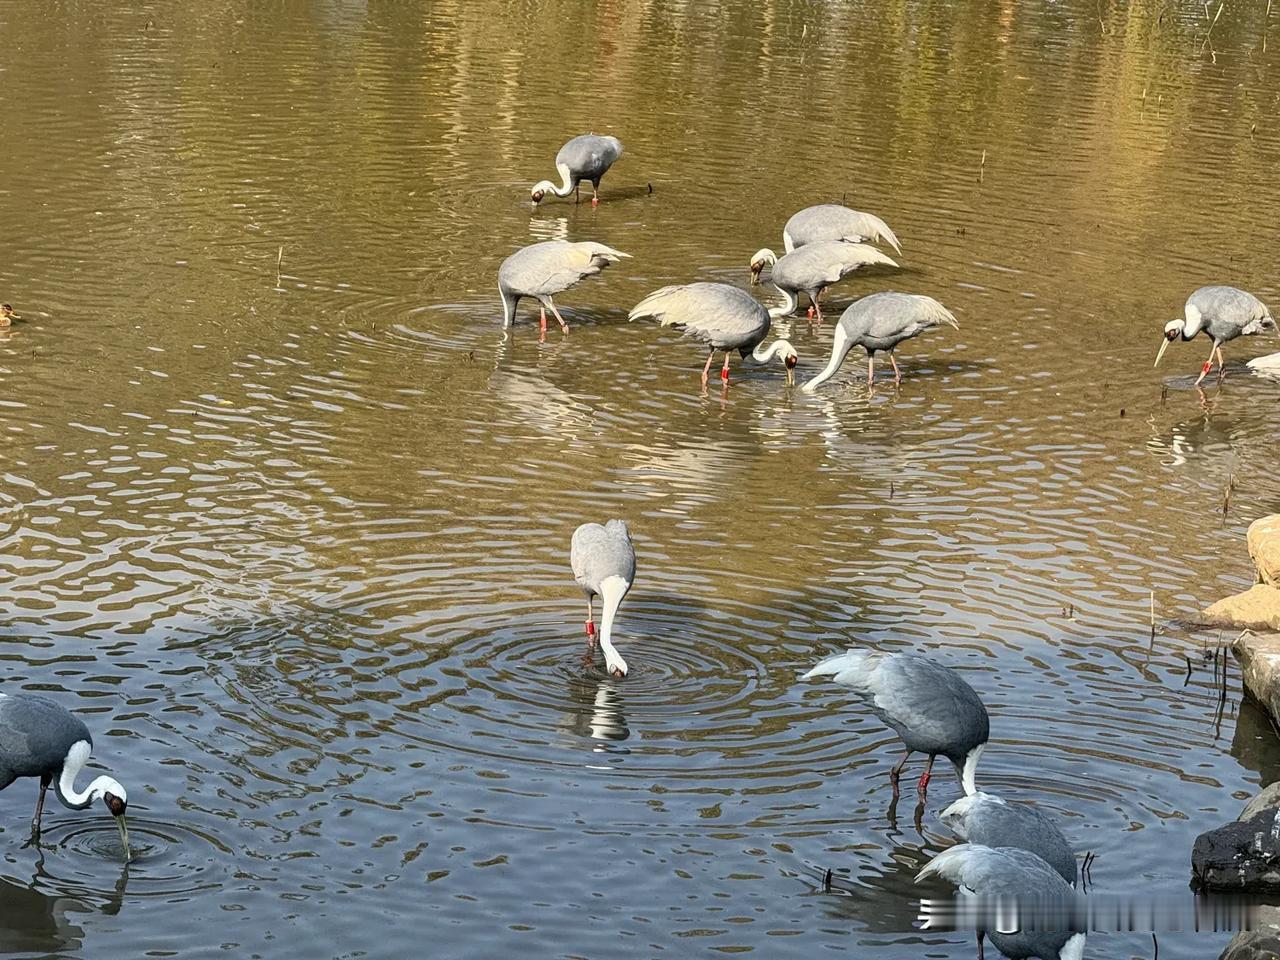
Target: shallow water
<point x="285" y="515"/>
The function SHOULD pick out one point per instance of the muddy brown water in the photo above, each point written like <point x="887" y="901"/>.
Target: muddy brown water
<point x="285" y="515"/>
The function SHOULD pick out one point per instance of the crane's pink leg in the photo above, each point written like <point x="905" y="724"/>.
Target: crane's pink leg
<point x="897" y="374"/>
<point x="924" y="778"/>
<point x="542" y="322"/>
<point x="816" y="309"/>
<point x="1204" y="371"/>
<point x="563" y="326"/>
<point x="1222" y="364"/>
<point x="896" y="773"/>
<point x="591" y="629"/>
<point x="595" y="194"/>
<point x="980" y="936"/>
<point x="724" y="371"/>
<point x="871" y="370"/>
<point x="707" y="369"/>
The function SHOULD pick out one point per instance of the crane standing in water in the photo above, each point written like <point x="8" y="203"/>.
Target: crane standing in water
<point x="1222" y="313"/>
<point x="40" y="738"/>
<point x="585" y="157"/>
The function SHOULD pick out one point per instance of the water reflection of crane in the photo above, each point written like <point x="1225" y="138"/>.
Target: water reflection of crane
<point x="40" y="915"/>
<point x="596" y="712"/>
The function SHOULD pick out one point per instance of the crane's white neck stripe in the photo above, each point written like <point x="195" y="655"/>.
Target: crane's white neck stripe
<point x="612" y="590"/>
<point x="968" y="774"/>
<point x="65" y="787"/>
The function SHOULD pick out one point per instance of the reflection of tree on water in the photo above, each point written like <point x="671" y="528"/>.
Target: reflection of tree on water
<point x="38" y="917"/>
<point x="596" y="711"/>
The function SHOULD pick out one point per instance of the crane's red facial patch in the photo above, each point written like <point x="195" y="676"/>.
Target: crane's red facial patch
<point x="114" y="804"/>
<point x="1171" y="335"/>
<point x="537" y="196"/>
<point x="791" y="361"/>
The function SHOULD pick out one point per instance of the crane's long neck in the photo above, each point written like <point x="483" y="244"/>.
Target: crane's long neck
<point x="840" y="347"/>
<point x="509" y="302"/>
<point x="612" y="590"/>
<point x="761" y="355"/>
<point x="566" y="187"/>
<point x="65" y="786"/>
<point x="789" y="303"/>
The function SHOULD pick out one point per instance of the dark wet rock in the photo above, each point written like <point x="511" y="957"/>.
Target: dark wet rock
<point x="1243" y="855"/>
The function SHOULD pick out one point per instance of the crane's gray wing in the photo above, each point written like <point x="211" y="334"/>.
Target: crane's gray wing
<point x="548" y="268"/>
<point x="992" y="821"/>
<point x="597" y="552"/>
<point x="889" y="315"/>
<point x="718" y="314"/>
<point x="831" y="221"/>
<point x="824" y="263"/>
<point x="929" y="705"/>
<point x="35" y="735"/>
<point x="1011" y="874"/>
<point x="588" y="155"/>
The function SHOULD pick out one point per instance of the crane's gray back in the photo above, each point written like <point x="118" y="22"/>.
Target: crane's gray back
<point x="552" y="266"/>
<point x="882" y="320"/>
<point x="723" y="316"/>
<point x="817" y="265"/>
<point x="598" y="552"/>
<point x="929" y="705"/>
<point x="588" y="156"/>
<point x="994" y="822"/>
<point x="35" y="735"/>
<point x="831" y="221"/>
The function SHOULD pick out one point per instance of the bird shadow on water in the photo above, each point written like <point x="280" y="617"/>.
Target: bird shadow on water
<point x="45" y="914"/>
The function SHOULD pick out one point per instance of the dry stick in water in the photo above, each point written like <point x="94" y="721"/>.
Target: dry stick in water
<point x="982" y="165"/>
<point x="1226" y="495"/>
<point x="1153" y="621"/>
<point x="279" y="260"/>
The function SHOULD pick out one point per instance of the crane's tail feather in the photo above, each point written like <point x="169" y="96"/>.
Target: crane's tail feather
<point x="838" y="663"/>
<point x="656" y="305"/>
<point x="951" y="864"/>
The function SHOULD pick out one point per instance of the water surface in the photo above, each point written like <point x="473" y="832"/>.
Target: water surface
<point x="285" y="515"/>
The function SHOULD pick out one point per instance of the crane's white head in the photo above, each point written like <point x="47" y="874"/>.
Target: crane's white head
<point x="789" y="360"/>
<point x="1172" y="331"/>
<point x="113" y="796"/>
<point x="759" y="260"/>
<point x="540" y="190"/>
